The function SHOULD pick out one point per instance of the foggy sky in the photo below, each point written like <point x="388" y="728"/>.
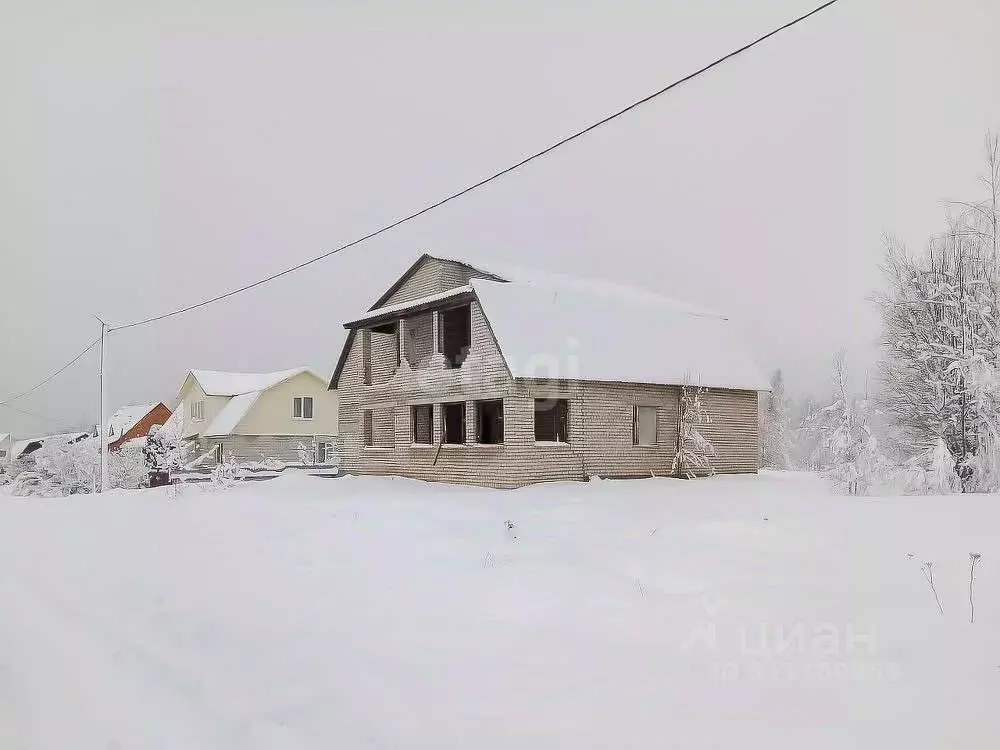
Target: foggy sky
<point x="152" y="156"/>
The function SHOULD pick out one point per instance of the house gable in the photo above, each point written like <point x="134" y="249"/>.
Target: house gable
<point x="157" y="416"/>
<point x="190" y="393"/>
<point x="270" y="412"/>
<point x="428" y="276"/>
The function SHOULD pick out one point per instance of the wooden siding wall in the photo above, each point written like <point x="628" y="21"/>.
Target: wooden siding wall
<point x="600" y="416"/>
<point x="734" y="431"/>
<point x="253" y="448"/>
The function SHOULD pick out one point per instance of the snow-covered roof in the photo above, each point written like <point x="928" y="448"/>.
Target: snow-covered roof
<point x="402" y="307"/>
<point x="603" y="332"/>
<point x="232" y="414"/>
<point x="21" y="445"/>
<point x="603" y="288"/>
<point x="3" y="436"/>
<point x="215" y="383"/>
<point x="128" y="417"/>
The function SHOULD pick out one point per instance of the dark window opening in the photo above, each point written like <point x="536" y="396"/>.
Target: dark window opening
<point x="423" y="424"/>
<point x="489" y="422"/>
<point x="368" y="429"/>
<point x="390" y="329"/>
<point x="551" y="420"/>
<point x="455" y="334"/>
<point x="453" y="421"/>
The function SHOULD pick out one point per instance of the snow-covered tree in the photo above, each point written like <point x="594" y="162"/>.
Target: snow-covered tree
<point x="66" y="466"/>
<point x="775" y="426"/>
<point x="941" y="336"/>
<point x="694" y="450"/>
<point x="940" y="477"/>
<point x="848" y="450"/>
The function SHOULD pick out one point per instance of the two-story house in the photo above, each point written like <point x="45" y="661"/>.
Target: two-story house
<point x="280" y="416"/>
<point x="462" y="374"/>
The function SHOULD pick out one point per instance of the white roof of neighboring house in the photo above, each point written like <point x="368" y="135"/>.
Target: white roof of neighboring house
<point x="232" y="414"/>
<point x="215" y="383"/>
<point x="597" y="331"/>
<point x="128" y="417"/>
<point x="20" y="445"/>
<point x="3" y="436"/>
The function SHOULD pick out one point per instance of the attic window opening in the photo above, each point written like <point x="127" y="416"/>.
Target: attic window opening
<point x="455" y="334"/>
<point x="198" y="411"/>
<point x="551" y="420"/>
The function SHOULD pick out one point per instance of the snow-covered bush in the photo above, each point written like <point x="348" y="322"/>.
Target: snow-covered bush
<point x="227" y="474"/>
<point x="127" y="468"/>
<point x="69" y="465"/>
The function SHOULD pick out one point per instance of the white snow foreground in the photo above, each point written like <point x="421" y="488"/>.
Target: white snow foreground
<point x="755" y="612"/>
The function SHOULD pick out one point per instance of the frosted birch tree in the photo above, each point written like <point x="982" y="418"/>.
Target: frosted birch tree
<point x="694" y="450"/>
<point x="775" y="427"/>
<point x="848" y="450"/>
<point x="940" y="336"/>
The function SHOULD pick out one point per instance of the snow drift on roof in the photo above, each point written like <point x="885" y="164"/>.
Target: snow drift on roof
<point x="232" y="414"/>
<point x="128" y="417"/>
<point x="215" y="383"/>
<point x="596" y="287"/>
<point x="587" y="333"/>
<point x="20" y="446"/>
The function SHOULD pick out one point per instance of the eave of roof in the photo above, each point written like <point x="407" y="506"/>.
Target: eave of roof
<point x="458" y="295"/>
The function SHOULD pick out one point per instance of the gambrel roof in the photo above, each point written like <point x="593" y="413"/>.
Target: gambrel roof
<point x="553" y="325"/>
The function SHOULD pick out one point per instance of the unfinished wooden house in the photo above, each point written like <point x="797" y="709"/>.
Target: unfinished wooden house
<point x="460" y="373"/>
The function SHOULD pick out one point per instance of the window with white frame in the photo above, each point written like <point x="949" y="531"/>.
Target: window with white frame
<point x="325" y="453"/>
<point x="302" y="407"/>
<point x="197" y="411"/>
<point x="643" y="425"/>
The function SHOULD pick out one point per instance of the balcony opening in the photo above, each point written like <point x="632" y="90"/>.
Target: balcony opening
<point x="453" y="421"/>
<point x="489" y="422"/>
<point x="455" y="334"/>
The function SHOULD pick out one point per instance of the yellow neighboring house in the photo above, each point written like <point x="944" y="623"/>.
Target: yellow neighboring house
<point x="286" y="416"/>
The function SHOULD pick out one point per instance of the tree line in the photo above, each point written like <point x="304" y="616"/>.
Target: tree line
<point x="929" y="419"/>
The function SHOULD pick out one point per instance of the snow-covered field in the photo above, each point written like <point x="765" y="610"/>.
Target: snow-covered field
<point x="756" y="612"/>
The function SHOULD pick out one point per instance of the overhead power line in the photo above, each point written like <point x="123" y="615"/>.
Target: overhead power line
<point x="51" y="376"/>
<point x="59" y="422"/>
<point x="480" y="183"/>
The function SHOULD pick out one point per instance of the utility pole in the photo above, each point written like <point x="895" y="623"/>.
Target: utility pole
<point x="103" y="429"/>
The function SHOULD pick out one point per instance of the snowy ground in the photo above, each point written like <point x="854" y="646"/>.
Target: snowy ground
<point x="366" y="613"/>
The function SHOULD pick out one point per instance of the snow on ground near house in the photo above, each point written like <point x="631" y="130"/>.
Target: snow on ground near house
<point x="379" y="613"/>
